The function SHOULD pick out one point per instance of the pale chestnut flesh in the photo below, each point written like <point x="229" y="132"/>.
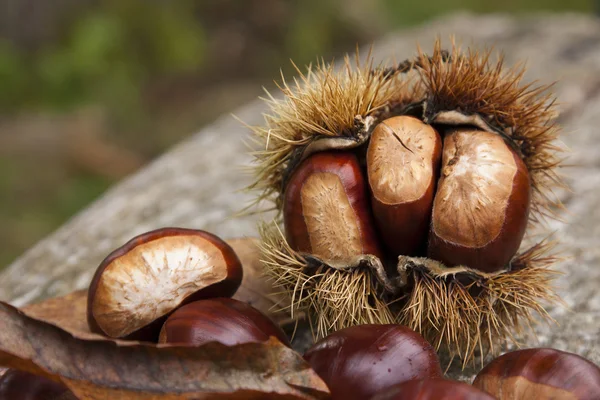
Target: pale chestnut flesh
<point x="139" y="284"/>
<point x="402" y="165"/>
<point x="540" y="374"/>
<point x="326" y="209"/>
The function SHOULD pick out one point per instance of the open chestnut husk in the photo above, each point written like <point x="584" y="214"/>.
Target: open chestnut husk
<point x="459" y="159"/>
<point x="21" y="385"/>
<point x="432" y="389"/>
<point x="227" y="321"/>
<point x="540" y="374"/>
<point x="362" y="360"/>
<point x="138" y="285"/>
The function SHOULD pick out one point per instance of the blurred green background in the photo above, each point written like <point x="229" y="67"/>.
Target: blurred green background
<point x="90" y="90"/>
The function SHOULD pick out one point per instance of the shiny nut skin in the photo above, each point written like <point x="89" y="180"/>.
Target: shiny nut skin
<point x="19" y="385"/>
<point x="360" y="361"/>
<point x="326" y="209"/>
<point x="540" y="374"/>
<point x="222" y="320"/>
<point x="481" y="206"/>
<point x="432" y="389"/>
<point x="139" y="284"/>
<point x="403" y="161"/>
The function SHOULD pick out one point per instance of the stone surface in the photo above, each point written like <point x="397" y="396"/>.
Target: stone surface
<point x="197" y="183"/>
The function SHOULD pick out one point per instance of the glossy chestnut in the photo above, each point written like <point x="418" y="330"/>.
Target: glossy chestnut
<point x="403" y="160"/>
<point x="432" y="389"/>
<point x="360" y="361"/>
<point x="138" y="285"/>
<point x="540" y="374"/>
<point x="481" y="205"/>
<point x="326" y="209"/>
<point x="20" y="385"/>
<point x="222" y="320"/>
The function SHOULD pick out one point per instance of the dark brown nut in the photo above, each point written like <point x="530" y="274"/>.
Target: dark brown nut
<point x="359" y="361"/>
<point x="540" y="374"/>
<point x="326" y="209"/>
<point x="222" y="320"/>
<point x="138" y="285"/>
<point x="19" y="385"/>
<point x="481" y="206"/>
<point x="403" y="161"/>
<point x="432" y="389"/>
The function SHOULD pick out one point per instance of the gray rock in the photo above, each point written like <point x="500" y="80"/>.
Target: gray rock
<point x="197" y="183"/>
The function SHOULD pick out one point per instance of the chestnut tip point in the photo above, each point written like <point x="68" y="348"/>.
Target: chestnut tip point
<point x="362" y="360"/>
<point x="139" y="284"/>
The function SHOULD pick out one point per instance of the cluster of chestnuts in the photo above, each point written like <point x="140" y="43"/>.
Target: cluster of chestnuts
<point x="174" y="286"/>
<point x="404" y="195"/>
<point x="463" y="200"/>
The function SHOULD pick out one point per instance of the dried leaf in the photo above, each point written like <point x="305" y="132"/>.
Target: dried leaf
<point x="97" y="368"/>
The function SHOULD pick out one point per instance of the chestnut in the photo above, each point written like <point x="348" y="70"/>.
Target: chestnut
<point x="481" y="206"/>
<point x="432" y="389"/>
<point x="362" y="360"/>
<point x="540" y="374"/>
<point x="20" y="385"/>
<point x="403" y="160"/>
<point x="326" y="209"/>
<point x="222" y="320"/>
<point x="138" y="285"/>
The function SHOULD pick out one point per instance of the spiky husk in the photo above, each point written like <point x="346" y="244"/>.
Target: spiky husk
<point x="440" y="306"/>
<point x="524" y="113"/>
<point x="324" y="102"/>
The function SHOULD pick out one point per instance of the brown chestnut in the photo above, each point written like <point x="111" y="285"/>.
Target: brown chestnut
<point x="481" y="206"/>
<point x="403" y="165"/>
<point x="139" y="284"/>
<point x="222" y="320"/>
<point x="540" y="374"/>
<point x="432" y="389"/>
<point x="362" y="360"/>
<point x="20" y="385"/>
<point x="326" y="209"/>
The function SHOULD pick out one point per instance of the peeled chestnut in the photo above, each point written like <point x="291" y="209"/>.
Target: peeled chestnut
<point x="402" y="163"/>
<point x="481" y="206"/>
<point x="222" y="320"/>
<point x="20" y="385"/>
<point x="139" y="284"/>
<point x="540" y="374"/>
<point x="432" y="389"/>
<point x="362" y="360"/>
<point x="326" y="209"/>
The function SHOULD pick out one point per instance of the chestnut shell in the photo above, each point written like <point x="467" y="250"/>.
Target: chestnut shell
<point x="226" y="287"/>
<point x="222" y="320"/>
<point x="362" y="360"/>
<point x="351" y="208"/>
<point x="432" y="389"/>
<point x="540" y="374"/>
<point x="20" y="385"/>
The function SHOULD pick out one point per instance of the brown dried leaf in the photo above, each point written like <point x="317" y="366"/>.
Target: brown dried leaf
<point x="98" y="368"/>
<point x="257" y="289"/>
